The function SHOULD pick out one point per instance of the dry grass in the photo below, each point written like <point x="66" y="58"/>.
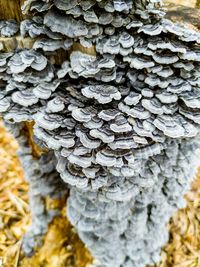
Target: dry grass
<point x="14" y="210"/>
<point x="183" y="249"/>
<point x="62" y="248"/>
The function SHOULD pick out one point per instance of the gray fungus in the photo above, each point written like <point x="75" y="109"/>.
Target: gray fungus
<point x="121" y="123"/>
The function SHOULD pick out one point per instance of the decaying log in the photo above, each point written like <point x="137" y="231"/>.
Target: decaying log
<point x="37" y="164"/>
<point x="198" y="4"/>
<point x="11" y="9"/>
<point x="184" y="14"/>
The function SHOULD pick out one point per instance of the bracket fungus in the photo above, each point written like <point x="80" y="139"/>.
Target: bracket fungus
<point x="119" y="118"/>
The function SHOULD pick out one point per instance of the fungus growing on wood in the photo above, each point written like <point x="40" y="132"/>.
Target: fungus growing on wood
<point x="116" y="117"/>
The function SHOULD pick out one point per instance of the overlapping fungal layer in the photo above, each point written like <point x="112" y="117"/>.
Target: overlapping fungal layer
<point x="131" y="233"/>
<point x="119" y="114"/>
<point x="44" y="181"/>
<point x="27" y="80"/>
<point x="81" y="20"/>
<point x="8" y="28"/>
<point x="122" y="109"/>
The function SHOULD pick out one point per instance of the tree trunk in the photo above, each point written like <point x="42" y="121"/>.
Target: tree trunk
<point x="198" y="4"/>
<point x="11" y="9"/>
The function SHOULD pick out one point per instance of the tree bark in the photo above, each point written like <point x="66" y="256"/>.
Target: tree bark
<point x="11" y="9"/>
<point x="198" y="4"/>
<point x="188" y="3"/>
<point x="184" y="14"/>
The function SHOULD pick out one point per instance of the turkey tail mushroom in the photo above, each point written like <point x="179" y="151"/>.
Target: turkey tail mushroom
<point x="119" y="115"/>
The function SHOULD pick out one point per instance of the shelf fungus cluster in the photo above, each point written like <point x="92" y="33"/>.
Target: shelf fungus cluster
<point x="119" y="117"/>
